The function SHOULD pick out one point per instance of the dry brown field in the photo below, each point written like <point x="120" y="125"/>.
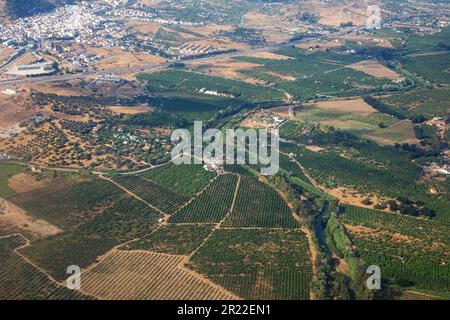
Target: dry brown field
<point x="375" y="69"/>
<point x="14" y="219"/>
<point x="145" y="275"/>
<point x="354" y="106"/>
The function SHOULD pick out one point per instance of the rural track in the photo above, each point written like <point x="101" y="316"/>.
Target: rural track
<point x="34" y="265"/>
<point x="134" y="195"/>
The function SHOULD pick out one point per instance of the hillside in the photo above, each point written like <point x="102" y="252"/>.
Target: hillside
<point x="24" y="8"/>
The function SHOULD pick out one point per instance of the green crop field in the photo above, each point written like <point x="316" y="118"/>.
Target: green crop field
<point x="257" y="264"/>
<point x="92" y="224"/>
<point x="427" y="230"/>
<point x="429" y="103"/>
<point x="258" y="205"/>
<point x="187" y="180"/>
<point x="159" y="197"/>
<point x="190" y="83"/>
<point x="19" y="280"/>
<point x="371" y="168"/>
<point x="212" y="205"/>
<point x="7" y="171"/>
<point x="409" y="264"/>
<point x="71" y="203"/>
<point x="173" y="239"/>
<point x="368" y="126"/>
<point x="319" y="73"/>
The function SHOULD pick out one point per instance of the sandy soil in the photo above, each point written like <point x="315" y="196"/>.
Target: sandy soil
<point x="314" y="148"/>
<point x="320" y="45"/>
<point x="402" y="132"/>
<point x="341" y="265"/>
<point x="71" y="87"/>
<point x="341" y="13"/>
<point x="362" y="231"/>
<point x="228" y="69"/>
<point x="17" y="220"/>
<point x="117" y="58"/>
<point x="375" y="69"/>
<point x="25" y="182"/>
<point x="268" y="55"/>
<point x="14" y="109"/>
<point x="130" y="110"/>
<point x="347" y="196"/>
<point x="354" y="106"/>
<point x="385" y="43"/>
<point x="143" y="26"/>
<point x="210" y="29"/>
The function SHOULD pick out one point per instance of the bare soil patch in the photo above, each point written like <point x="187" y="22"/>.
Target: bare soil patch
<point x="15" y="219"/>
<point x="341" y="13"/>
<point x="228" y="69"/>
<point x="210" y="29"/>
<point x="375" y="69"/>
<point x="354" y="106"/>
<point x="5" y="53"/>
<point x="26" y="182"/>
<point x="73" y="87"/>
<point x="284" y="77"/>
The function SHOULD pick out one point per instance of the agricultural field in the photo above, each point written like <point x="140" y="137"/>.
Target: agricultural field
<point x="192" y="83"/>
<point x="257" y="264"/>
<point x="311" y="74"/>
<point x="431" y="67"/>
<point x="427" y="230"/>
<point x="427" y="102"/>
<point x="187" y="180"/>
<point x="212" y="205"/>
<point x="361" y="120"/>
<point x="173" y="239"/>
<point x="157" y="196"/>
<point x="60" y="204"/>
<point x="95" y="216"/>
<point x="292" y="168"/>
<point x="6" y="172"/>
<point x="20" y="280"/>
<point x="179" y="109"/>
<point x="407" y="263"/>
<point x="370" y="169"/>
<point x="259" y="206"/>
<point x="238" y="169"/>
<point x="137" y="275"/>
